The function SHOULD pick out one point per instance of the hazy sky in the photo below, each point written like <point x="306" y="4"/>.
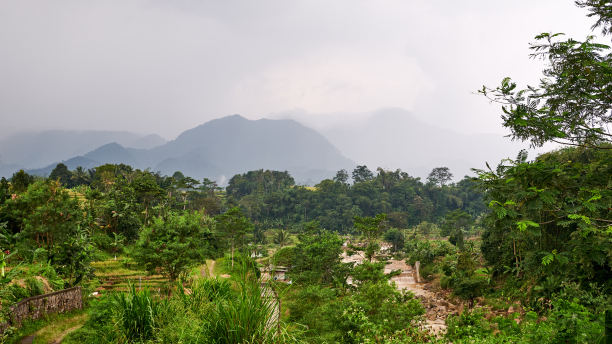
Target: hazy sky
<point x="153" y="66"/>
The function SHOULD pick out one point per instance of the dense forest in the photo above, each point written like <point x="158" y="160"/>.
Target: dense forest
<point x="519" y="253"/>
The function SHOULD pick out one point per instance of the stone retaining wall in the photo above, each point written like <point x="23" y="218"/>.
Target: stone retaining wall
<point x="36" y="307"/>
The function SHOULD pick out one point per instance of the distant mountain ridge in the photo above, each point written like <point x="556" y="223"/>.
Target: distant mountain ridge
<point x="220" y="148"/>
<point x="394" y="138"/>
<point x="36" y="149"/>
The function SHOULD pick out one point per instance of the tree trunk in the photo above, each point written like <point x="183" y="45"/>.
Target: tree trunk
<point x="516" y="257"/>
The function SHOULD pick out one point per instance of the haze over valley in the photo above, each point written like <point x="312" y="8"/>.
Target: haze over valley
<point x="388" y="138"/>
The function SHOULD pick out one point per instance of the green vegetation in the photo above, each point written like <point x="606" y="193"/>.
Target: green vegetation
<point x="174" y="243"/>
<point x="520" y="254"/>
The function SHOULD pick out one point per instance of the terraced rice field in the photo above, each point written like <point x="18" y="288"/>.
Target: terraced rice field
<point x="114" y="275"/>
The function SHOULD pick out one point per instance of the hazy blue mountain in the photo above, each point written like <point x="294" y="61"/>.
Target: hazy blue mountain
<point x="223" y="147"/>
<point x="229" y="145"/>
<point x="233" y="144"/>
<point x="145" y="142"/>
<point x="114" y="153"/>
<point x="33" y="150"/>
<point x="7" y="170"/>
<point x="394" y="138"/>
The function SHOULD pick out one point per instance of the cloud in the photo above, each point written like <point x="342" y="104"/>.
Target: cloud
<point x="165" y="66"/>
<point x="334" y="82"/>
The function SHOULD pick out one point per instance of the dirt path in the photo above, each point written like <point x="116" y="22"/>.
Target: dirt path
<point x="60" y="338"/>
<point x="211" y="268"/>
<point x="208" y="269"/>
<point x="28" y="339"/>
<point x="436" y="307"/>
<point x="50" y="334"/>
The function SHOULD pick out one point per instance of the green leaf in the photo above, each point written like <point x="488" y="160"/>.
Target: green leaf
<point x="523" y="225"/>
<point x="547" y="259"/>
<point x="586" y="219"/>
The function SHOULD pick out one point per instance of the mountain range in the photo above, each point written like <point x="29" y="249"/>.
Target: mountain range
<point x="394" y="138"/>
<point x="36" y="149"/>
<point x="220" y="148"/>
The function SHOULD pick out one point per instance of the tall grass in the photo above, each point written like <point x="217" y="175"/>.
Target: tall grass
<point x="136" y="312"/>
<point x="216" y="311"/>
<point x="203" y="293"/>
<point x="250" y="316"/>
<point x="244" y="319"/>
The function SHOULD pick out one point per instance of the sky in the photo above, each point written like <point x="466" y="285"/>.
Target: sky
<point x="153" y="66"/>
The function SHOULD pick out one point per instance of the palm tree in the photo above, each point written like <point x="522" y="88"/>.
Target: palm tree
<point x="282" y="238"/>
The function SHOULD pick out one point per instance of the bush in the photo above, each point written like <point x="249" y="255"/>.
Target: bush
<point x="426" y="251"/>
<point x="468" y="287"/>
<point x="22" y="289"/>
<point x="284" y="256"/>
<point x="469" y="324"/>
<point x="48" y="272"/>
<point x="567" y="322"/>
<point x="34" y="286"/>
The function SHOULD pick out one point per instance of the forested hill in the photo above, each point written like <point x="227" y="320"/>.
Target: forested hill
<point x="272" y="200"/>
<point x="223" y="147"/>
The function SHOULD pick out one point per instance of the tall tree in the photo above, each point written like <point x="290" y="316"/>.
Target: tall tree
<point x="440" y="176"/>
<point x="317" y="257"/>
<point x="456" y="223"/>
<point x="396" y="238"/>
<point x="370" y="229"/>
<point x="341" y="177"/>
<point x="362" y="174"/>
<point x="61" y="173"/>
<point x="550" y="217"/>
<point x="52" y="218"/>
<point x="281" y="238"/>
<point x="572" y="105"/>
<point x="80" y="177"/>
<point x="234" y="226"/>
<point x="20" y="181"/>
<point x="4" y="190"/>
<point x="146" y="190"/>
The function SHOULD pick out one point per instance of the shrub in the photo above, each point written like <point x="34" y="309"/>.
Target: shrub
<point x="34" y="286"/>
<point x="469" y="324"/>
<point x="468" y="287"/>
<point x="284" y="256"/>
<point x="426" y="251"/>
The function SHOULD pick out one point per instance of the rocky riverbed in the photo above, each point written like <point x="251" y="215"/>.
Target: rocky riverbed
<point x="437" y="306"/>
